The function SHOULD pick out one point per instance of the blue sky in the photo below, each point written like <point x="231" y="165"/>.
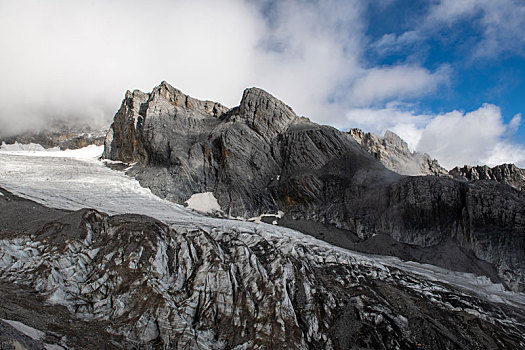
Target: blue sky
<point x="497" y="77"/>
<point x="446" y="75"/>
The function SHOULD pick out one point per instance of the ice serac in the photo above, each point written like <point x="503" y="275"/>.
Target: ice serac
<point x="259" y="157"/>
<point x="508" y="174"/>
<point x="130" y="281"/>
<point x="394" y="153"/>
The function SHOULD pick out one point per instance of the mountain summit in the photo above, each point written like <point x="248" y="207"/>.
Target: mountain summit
<point x="261" y="158"/>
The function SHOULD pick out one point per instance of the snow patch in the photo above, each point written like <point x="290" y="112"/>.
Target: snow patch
<point x="37" y="150"/>
<point x="204" y="202"/>
<point x="31" y="332"/>
<point x="257" y="219"/>
<point x="25" y="147"/>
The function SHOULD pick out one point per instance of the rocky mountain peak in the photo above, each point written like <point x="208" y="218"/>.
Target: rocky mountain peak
<point x="264" y="113"/>
<point x="393" y="139"/>
<point x="261" y="158"/>
<point x="393" y="152"/>
<point x="167" y="94"/>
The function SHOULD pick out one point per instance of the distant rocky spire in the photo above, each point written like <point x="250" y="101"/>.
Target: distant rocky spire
<point x="508" y="174"/>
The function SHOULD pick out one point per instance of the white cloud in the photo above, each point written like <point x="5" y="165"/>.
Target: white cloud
<point x="451" y="10"/>
<point x="391" y="42"/>
<point x="454" y="138"/>
<point x="515" y="123"/>
<point x="379" y="84"/>
<point x="502" y="23"/>
<point x="506" y="152"/>
<point x="314" y="48"/>
<point x="75" y="59"/>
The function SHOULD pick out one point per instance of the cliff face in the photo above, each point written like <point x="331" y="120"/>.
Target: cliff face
<point x="505" y="173"/>
<point x="240" y="154"/>
<point x="260" y="157"/>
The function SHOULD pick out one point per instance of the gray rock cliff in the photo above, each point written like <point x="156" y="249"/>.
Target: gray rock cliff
<point x="260" y="157"/>
<point x="505" y="173"/>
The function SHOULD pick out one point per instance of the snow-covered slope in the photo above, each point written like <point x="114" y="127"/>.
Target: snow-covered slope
<point x="195" y="281"/>
<point x="78" y="179"/>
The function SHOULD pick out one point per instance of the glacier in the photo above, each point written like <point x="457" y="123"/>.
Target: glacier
<point x="84" y="276"/>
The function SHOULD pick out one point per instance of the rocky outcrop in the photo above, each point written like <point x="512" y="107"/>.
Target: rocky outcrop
<point x="260" y="158"/>
<point x="131" y="281"/>
<point x="150" y="128"/>
<point x="505" y="173"/>
<point x="394" y="154"/>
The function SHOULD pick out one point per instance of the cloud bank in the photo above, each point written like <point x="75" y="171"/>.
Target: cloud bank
<point x="75" y="59"/>
<point x="64" y="59"/>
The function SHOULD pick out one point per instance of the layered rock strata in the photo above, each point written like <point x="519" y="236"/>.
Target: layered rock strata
<point x="508" y="174"/>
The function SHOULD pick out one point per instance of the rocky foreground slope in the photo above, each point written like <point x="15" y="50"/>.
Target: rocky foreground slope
<point x="259" y="157"/>
<point x="84" y="279"/>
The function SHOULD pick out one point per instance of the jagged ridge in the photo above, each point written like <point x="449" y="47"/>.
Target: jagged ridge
<point x="505" y="173"/>
<point x="260" y="157"/>
<point x="394" y="153"/>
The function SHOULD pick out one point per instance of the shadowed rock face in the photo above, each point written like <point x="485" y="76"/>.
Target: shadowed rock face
<point x="88" y="280"/>
<point x="260" y="157"/>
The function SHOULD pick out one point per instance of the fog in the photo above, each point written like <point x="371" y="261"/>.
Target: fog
<point x="76" y="59"/>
